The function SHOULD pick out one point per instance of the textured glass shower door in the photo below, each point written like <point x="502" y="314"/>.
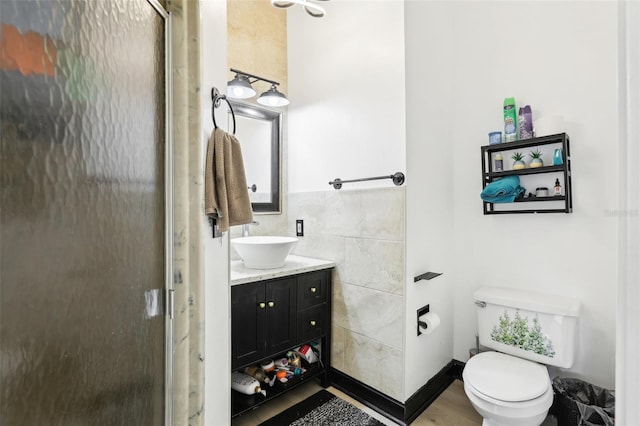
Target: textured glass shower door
<point x="83" y="212"/>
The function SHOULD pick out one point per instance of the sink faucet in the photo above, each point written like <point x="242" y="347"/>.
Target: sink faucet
<point x="245" y="228"/>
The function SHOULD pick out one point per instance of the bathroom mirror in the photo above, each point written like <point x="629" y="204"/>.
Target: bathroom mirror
<point x="258" y="130"/>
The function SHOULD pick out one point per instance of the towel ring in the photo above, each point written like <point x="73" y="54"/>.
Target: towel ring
<point x="216" y="97"/>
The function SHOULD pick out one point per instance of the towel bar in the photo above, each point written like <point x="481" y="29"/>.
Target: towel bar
<point x="398" y="179"/>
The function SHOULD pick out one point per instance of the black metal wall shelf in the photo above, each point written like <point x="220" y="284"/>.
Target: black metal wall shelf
<point x="564" y="170"/>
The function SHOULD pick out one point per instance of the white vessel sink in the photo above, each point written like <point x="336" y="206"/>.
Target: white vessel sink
<point x="263" y="252"/>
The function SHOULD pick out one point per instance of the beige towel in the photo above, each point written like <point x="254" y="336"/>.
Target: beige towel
<point x="226" y="197"/>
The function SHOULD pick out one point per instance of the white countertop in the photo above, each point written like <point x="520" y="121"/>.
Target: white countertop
<point x="293" y="265"/>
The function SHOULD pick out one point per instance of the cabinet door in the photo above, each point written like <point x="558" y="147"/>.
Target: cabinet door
<point x="248" y="313"/>
<point x="281" y="314"/>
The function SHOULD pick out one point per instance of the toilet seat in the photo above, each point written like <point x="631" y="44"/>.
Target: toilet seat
<point x="505" y="378"/>
<point x="525" y="413"/>
<point x="531" y="405"/>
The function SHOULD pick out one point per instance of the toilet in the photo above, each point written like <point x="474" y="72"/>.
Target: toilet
<point x="510" y="385"/>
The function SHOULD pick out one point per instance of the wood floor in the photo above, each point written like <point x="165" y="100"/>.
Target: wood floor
<point x="452" y="408"/>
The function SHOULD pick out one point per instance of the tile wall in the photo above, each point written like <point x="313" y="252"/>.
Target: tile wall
<point x="362" y="231"/>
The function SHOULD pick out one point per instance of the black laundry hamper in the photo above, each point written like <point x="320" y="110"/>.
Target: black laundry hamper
<point x="578" y="403"/>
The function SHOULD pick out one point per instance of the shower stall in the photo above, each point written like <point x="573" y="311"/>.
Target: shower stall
<point x="85" y="213"/>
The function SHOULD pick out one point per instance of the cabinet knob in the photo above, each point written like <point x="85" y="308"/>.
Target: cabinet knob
<point x="262" y="305"/>
<point x="271" y="304"/>
<point x="313" y="289"/>
<point x="313" y="323"/>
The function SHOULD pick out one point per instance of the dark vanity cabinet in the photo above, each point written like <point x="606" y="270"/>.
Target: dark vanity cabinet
<point x="271" y="317"/>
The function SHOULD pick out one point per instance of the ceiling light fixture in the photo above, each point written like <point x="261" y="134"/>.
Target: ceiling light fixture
<point x="311" y="8"/>
<point x="240" y="88"/>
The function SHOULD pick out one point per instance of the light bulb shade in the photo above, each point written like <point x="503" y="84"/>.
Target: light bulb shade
<point x="240" y="88"/>
<point x="273" y="98"/>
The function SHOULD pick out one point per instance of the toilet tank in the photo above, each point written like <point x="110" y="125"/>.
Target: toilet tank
<point x="535" y="326"/>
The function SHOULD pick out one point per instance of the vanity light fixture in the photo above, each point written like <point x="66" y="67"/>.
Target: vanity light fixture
<point x="240" y="88"/>
<point x="309" y="7"/>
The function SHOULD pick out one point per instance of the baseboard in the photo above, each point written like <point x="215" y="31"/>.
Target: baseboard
<point x="403" y="414"/>
<point x="424" y="397"/>
<point x="368" y="396"/>
<point x="456" y="371"/>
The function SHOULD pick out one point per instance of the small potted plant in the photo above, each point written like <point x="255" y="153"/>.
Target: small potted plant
<point x="536" y="159"/>
<point x="518" y="164"/>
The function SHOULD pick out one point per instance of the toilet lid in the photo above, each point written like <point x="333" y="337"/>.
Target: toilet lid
<point x="505" y="377"/>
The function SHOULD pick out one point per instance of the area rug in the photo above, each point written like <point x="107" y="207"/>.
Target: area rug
<point x="322" y="409"/>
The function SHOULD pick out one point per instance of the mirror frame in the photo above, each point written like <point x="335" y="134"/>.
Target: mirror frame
<point x="274" y="118"/>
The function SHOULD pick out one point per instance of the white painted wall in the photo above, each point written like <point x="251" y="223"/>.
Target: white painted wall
<point x="217" y="299"/>
<point x="429" y="148"/>
<point x="628" y="319"/>
<point x="346" y="86"/>
<point x="559" y="57"/>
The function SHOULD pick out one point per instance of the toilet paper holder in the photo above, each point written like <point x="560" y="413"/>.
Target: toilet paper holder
<point x="421" y="324"/>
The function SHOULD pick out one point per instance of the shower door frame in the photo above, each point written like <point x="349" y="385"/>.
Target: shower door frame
<point x="168" y="207"/>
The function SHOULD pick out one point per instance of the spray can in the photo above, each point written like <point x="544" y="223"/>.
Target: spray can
<point x="509" y="113"/>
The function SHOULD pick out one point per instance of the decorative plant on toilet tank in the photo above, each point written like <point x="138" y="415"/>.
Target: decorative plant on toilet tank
<point x="517" y="333"/>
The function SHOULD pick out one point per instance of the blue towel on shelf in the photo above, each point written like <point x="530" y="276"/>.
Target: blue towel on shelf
<point x="503" y="190"/>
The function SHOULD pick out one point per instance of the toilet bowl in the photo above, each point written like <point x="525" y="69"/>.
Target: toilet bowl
<point x="507" y="390"/>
